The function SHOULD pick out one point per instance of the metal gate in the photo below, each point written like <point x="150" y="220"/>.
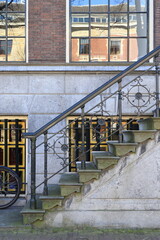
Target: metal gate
<point x="13" y="146"/>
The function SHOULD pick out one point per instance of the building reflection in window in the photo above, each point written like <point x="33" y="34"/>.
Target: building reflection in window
<point x="105" y="23"/>
<point x="12" y="30"/>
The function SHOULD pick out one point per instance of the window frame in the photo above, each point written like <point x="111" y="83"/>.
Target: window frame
<point x="109" y="37"/>
<point x="7" y="14"/>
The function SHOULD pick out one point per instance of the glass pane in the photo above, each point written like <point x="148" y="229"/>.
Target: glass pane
<point x="137" y="48"/>
<point x="99" y="5"/>
<point x="118" y="5"/>
<point x="16" y="24"/>
<point x="99" y="25"/>
<point x="118" y="50"/>
<point x="99" y="49"/>
<point x="80" y="50"/>
<point x="138" y="25"/>
<point x="16" y="5"/>
<point x="2" y="25"/>
<point x="118" y="25"/>
<point x="13" y="154"/>
<point x="3" y="49"/>
<point x="137" y="5"/>
<point x="80" y="25"/>
<point x="1" y="156"/>
<point x="16" y="49"/>
<point x="2" y="5"/>
<point x="79" y="5"/>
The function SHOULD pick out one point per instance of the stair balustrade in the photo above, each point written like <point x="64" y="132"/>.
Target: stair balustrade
<point x="142" y="99"/>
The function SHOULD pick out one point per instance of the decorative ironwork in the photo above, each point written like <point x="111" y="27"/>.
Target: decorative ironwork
<point x="139" y="95"/>
<point x="72" y="140"/>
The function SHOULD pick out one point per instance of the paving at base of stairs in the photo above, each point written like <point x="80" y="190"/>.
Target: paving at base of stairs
<point x="12" y="228"/>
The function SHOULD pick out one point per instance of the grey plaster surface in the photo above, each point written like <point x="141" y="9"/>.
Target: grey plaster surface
<point x="68" y="234"/>
<point x="11" y="228"/>
<point x="10" y="217"/>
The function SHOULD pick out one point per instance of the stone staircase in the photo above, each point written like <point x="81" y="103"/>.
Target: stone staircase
<point x="72" y="184"/>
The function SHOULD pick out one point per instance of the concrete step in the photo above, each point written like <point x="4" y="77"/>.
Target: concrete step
<point x="104" y="160"/>
<point x="69" y="183"/>
<point x="53" y="199"/>
<point x="121" y="149"/>
<point x="149" y="124"/>
<point x="91" y="172"/>
<point x="138" y="136"/>
<point x="32" y="215"/>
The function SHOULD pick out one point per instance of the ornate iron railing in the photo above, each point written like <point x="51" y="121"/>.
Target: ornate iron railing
<point x="98" y="104"/>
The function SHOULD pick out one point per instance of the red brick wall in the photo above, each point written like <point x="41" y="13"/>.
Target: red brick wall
<point x="156" y="23"/>
<point x="47" y="30"/>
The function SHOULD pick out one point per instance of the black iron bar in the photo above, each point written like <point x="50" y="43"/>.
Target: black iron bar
<point x="120" y="110"/>
<point x="45" y="190"/>
<point x="83" y="162"/>
<point x="157" y="84"/>
<point x="33" y="174"/>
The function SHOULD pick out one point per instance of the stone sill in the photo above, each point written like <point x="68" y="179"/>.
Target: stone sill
<point x="67" y="68"/>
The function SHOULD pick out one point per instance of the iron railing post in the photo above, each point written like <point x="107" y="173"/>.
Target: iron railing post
<point x="157" y="84"/>
<point x="83" y="162"/>
<point x="33" y="173"/>
<point x="120" y="110"/>
<point x="45" y="190"/>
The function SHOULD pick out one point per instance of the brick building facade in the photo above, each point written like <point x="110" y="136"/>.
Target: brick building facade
<point x="52" y="54"/>
<point x="47" y="40"/>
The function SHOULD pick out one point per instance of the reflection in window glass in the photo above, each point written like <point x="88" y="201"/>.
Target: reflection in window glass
<point x="138" y="25"/>
<point x="83" y="46"/>
<point x="99" y="5"/>
<point x="118" y="25"/>
<point x="137" y="48"/>
<point x="80" y="25"/>
<point x="12" y="30"/>
<point x="2" y="25"/>
<point x="3" y="47"/>
<point x="80" y="51"/>
<point x="99" y="25"/>
<point x="106" y="22"/>
<point x="118" y="5"/>
<point x="18" y="49"/>
<point x="138" y="5"/>
<point x="79" y="5"/>
<point x="118" y="50"/>
<point x="16" y="24"/>
<point x="99" y="49"/>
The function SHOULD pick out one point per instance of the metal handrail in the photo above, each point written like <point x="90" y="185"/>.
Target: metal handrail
<point x="93" y="94"/>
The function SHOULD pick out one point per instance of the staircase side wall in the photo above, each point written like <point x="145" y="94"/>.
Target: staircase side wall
<point x="127" y="196"/>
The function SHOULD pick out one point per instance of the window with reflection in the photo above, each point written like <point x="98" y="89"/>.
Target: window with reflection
<point x="114" y="30"/>
<point x="12" y="30"/>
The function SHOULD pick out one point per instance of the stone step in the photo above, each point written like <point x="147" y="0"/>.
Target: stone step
<point x="137" y="136"/>
<point x="104" y="160"/>
<point x="53" y="199"/>
<point x="69" y="183"/>
<point x="149" y="124"/>
<point x="89" y="173"/>
<point x="32" y="215"/>
<point x="121" y="149"/>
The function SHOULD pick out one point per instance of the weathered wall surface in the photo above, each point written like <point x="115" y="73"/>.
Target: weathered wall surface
<point x="41" y="96"/>
<point x="126" y="196"/>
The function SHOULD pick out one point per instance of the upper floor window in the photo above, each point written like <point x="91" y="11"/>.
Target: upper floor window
<point x="12" y="30"/>
<point x="114" y="30"/>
